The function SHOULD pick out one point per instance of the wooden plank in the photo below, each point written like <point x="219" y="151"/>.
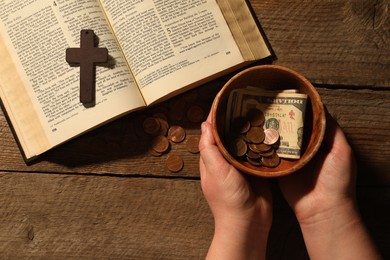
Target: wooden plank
<point x="90" y="217"/>
<point x="364" y="116"/>
<point x="343" y="42"/>
<point x="99" y="217"/>
<point x="117" y="148"/>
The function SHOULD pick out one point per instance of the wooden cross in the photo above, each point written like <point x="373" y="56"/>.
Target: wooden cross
<point x="87" y="56"/>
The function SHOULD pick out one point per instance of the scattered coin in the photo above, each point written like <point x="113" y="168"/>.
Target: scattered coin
<point x="151" y="126"/>
<point x="176" y="134"/>
<point x="271" y="136"/>
<point x="152" y="152"/>
<point x="174" y="163"/>
<point x="160" y="144"/>
<point x="192" y="144"/>
<point x="160" y="115"/>
<point x="195" y="114"/>
<point x="158" y="132"/>
<point x="164" y="126"/>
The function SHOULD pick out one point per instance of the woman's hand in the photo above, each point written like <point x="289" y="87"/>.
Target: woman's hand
<point x="322" y="196"/>
<point x="241" y="205"/>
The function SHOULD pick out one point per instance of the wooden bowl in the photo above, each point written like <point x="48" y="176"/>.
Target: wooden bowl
<point x="274" y="78"/>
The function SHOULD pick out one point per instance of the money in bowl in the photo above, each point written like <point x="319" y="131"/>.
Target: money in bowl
<point x="268" y="121"/>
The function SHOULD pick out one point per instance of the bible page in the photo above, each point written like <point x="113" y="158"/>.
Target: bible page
<point x="36" y="34"/>
<point x="171" y="44"/>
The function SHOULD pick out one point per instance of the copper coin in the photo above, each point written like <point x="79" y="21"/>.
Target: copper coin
<point x="160" y="115"/>
<point x="160" y="144"/>
<point x="238" y="147"/>
<point x="271" y="136"/>
<point x="260" y="148"/>
<point x="267" y="153"/>
<point x="255" y="135"/>
<point x="256" y="117"/>
<point x="164" y="126"/>
<point x="174" y="163"/>
<point x="176" y="134"/>
<point x="139" y="130"/>
<point x="192" y="144"/>
<point x="151" y="126"/>
<point x="254" y="162"/>
<point x="253" y="155"/>
<point x="241" y="125"/>
<point x="271" y="161"/>
<point x="152" y="152"/>
<point x="195" y="114"/>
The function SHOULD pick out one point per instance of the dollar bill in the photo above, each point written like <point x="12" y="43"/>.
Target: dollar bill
<point x="283" y="110"/>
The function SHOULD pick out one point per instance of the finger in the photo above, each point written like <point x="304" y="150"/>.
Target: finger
<point x="210" y="116"/>
<point x="206" y="138"/>
<point x="211" y="157"/>
<point x="333" y="134"/>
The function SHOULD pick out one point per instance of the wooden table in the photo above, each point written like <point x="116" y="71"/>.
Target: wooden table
<point x="103" y="196"/>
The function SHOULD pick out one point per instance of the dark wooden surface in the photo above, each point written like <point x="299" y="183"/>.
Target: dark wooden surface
<point x="103" y="196"/>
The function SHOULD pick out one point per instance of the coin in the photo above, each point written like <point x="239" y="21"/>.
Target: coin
<point x="195" y="114"/>
<point x="260" y="148"/>
<point x="271" y="161"/>
<point x="254" y="162"/>
<point x="253" y="155"/>
<point x="256" y="117"/>
<point x="255" y="134"/>
<point x="241" y="125"/>
<point x="192" y="144"/>
<point x="176" y="134"/>
<point x="160" y="144"/>
<point x="174" y="163"/>
<point x="267" y="153"/>
<point x="151" y="126"/>
<point x="154" y="153"/>
<point x="160" y="115"/>
<point x="139" y="130"/>
<point x="238" y="147"/>
<point x="271" y="136"/>
<point x="164" y="126"/>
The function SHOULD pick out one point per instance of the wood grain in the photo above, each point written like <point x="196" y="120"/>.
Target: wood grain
<point x="85" y="217"/>
<point x="330" y="42"/>
<point x="48" y="216"/>
<point x="364" y="117"/>
<point x="103" y="196"/>
<point x="116" y="149"/>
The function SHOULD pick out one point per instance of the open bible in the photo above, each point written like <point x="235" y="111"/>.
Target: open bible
<point x="157" y="49"/>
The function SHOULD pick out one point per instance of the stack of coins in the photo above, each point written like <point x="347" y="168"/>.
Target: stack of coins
<point x="249" y="140"/>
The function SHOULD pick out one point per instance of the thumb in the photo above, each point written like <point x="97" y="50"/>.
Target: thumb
<point x="211" y="157"/>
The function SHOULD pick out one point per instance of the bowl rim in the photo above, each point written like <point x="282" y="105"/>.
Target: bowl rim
<point x="277" y="173"/>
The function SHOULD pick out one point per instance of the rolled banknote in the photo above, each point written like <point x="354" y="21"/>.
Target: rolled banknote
<point x="283" y="110"/>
